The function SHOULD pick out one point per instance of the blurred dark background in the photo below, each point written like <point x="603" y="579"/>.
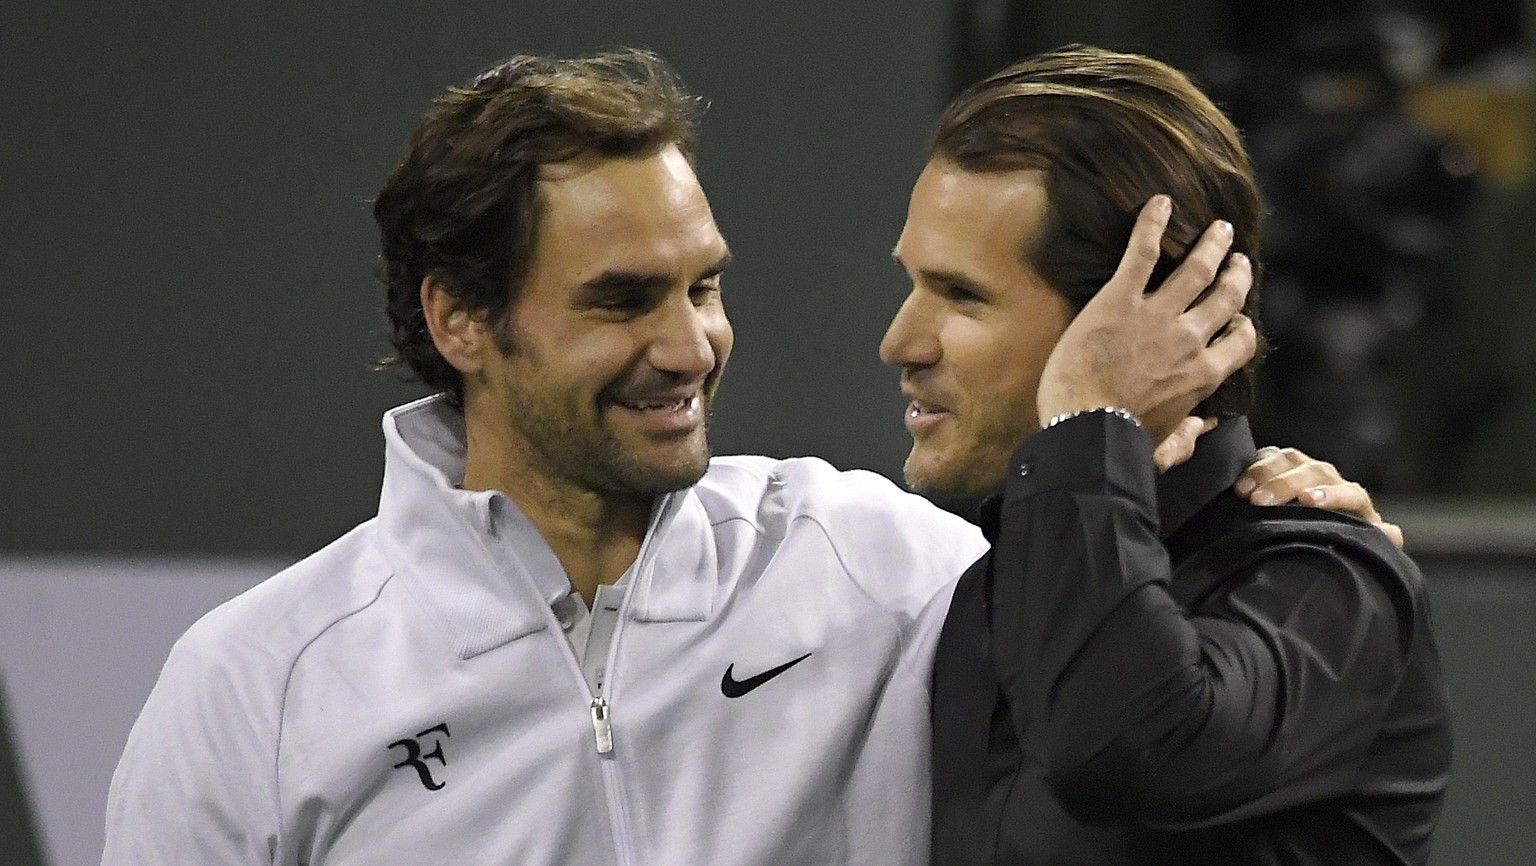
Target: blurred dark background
<point x="186" y="262"/>
<point x="1394" y="142"/>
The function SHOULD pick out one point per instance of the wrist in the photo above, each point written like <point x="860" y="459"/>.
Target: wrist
<point x="1107" y="410"/>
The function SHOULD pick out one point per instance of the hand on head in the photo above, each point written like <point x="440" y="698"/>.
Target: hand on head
<point x="1156" y="354"/>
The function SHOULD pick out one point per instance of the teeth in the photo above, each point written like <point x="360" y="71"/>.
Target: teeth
<point x="673" y="406"/>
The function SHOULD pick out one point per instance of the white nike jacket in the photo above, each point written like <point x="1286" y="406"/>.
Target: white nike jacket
<point x="405" y="695"/>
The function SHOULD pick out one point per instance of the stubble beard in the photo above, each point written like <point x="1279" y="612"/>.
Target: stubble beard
<point x="600" y="460"/>
<point x="589" y="453"/>
<point x="623" y="470"/>
<point x="912" y="473"/>
<point x="961" y="472"/>
<point x="584" y="449"/>
<point x="929" y="473"/>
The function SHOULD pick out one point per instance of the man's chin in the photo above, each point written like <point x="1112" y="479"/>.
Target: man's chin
<point x="927" y="478"/>
<point x="939" y="479"/>
<point x="659" y="477"/>
<point x="678" y="479"/>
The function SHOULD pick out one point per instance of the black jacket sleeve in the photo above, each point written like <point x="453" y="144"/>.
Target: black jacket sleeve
<point x="1266" y="695"/>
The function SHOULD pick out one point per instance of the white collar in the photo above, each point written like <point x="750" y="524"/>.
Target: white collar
<point x="481" y="565"/>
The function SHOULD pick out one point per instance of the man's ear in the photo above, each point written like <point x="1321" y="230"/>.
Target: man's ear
<point x="461" y="336"/>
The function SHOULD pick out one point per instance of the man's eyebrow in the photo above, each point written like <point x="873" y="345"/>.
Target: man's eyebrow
<point x="954" y="279"/>
<point x="615" y="282"/>
<point x="620" y="282"/>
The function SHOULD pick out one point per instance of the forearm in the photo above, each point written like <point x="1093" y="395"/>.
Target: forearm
<point x="1147" y="713"/>
<point x="1080" y="644"/>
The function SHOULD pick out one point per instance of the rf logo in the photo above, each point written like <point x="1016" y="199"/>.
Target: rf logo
<point x="416" y="759"/>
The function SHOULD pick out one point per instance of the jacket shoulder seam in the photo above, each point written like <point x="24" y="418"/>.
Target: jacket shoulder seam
<point x="282" y="712"/>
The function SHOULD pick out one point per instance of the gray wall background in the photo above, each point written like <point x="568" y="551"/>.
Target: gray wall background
<point x="186" y="249"/>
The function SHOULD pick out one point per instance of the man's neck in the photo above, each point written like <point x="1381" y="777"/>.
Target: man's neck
<point x="596" y="535"/>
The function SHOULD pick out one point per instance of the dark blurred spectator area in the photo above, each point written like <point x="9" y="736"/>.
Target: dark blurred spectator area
<point x="1394" y="142"/>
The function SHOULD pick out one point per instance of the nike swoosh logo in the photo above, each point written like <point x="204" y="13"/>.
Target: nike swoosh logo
<point x="732" y="688"/>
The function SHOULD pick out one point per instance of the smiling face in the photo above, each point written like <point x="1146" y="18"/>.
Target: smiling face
<point x="609" y="358"/>
<point x="972" y="338"/>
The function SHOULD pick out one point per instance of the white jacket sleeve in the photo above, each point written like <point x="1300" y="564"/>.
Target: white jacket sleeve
<point x="196" y="783"/>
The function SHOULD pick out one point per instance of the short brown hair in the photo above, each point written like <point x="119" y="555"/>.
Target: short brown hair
<point x="463" y="203"/>
<point x="1109" y="131"/>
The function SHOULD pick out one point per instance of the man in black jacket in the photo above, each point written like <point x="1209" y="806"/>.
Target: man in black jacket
<point x="1145" y="669"/>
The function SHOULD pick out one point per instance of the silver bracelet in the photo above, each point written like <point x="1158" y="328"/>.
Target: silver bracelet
<point x="1108" y="410"/>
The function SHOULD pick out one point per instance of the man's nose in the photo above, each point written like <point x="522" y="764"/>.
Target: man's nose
<point x="909" y="340"/>
<point x="682" y="343"/>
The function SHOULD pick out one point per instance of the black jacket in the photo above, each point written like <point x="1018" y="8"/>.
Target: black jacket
<point x="1149" y="670"/>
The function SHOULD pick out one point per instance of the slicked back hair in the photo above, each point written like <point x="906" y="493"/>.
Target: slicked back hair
<point x="463" y="204"/>
<point x="1108" y="131"/>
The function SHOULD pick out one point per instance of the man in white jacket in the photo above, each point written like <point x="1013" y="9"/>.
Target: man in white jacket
<point x="569" y="636"/>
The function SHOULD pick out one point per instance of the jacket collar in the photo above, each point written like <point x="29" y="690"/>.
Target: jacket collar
<point x="1220" y="456"/>
<point x="481" y="566"/>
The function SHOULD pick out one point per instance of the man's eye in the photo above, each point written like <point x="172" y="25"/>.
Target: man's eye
<point x="700" y="293"/>
<point x="958" y="294"/>
<point x="622" y="304"/>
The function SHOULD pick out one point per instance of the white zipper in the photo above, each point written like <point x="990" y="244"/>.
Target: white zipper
<point x="600" y="726"/>
<point x="602" y="729"/>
